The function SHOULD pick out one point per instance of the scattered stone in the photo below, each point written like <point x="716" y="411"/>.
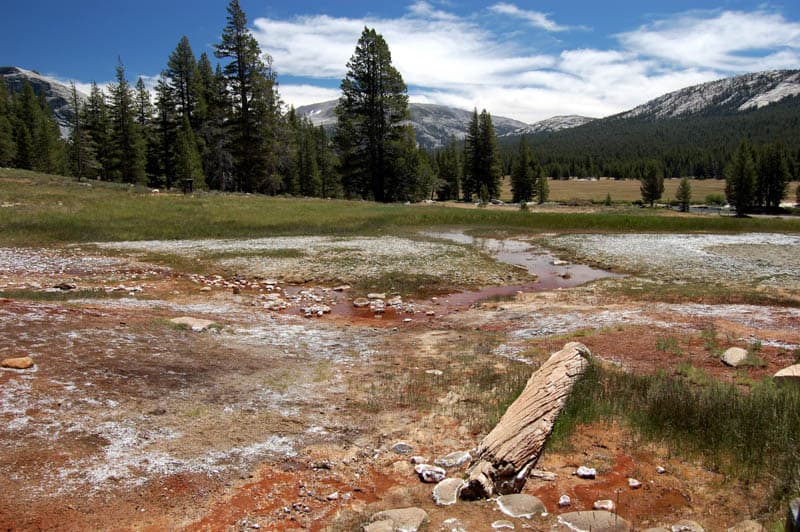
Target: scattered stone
<point x="417" y="460"/>
<point x="454" y="459"/>
<point x="376" y="296"/>
<point x="558" y="262"/>
<point x="402" y="447"/>
<point x="586" y="472"/>
<point x="734" y="357"/>
<point x="793" y="516"/>
<point x="436" y="372"/>
<point x="195" y="324"/>
<point x="333" y="496"/>
<point x="790" y="374"/>
<point x="520" y="505"/>
<point x="361" y="302"/>
<point x="660" y="470"/>
<point x="430" y="313"/>
<point x="342" y="288"/>
<point x="18" y="363"/>
<point x="446" y="492"/>
<point x="593" y="521"/>
<point x="564" y="501"/>
<point x="634" y="484"/>
<point x="66" y="286"/>
<point x="206" y="289"/>
<point x="452" y="525"/>
<point x="748" y="526"/>
<point x="405" y="519"/>
<point x="430" y="474"/>
<point x="606" y="505"/>
<point x="687" y="526"/>
<point x="547" y="476"/>
<point x="407" y="320"/>
<point x="503" y="524"/>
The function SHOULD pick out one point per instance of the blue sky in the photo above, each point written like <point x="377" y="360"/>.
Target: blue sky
<point x="524" y="59"/>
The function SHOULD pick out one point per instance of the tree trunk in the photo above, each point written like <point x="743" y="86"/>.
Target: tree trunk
<point x="507" y="454"/>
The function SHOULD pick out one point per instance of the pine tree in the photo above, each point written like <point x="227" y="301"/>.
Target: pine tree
<point x="187" y="157"/>
<point x="26" y="117"/>
<point x="8" y="148"/>
<point x="652" y="186"/>
<point x="166" y="132"/>
<point x="522" y="178"/>
<point x="472" y="166"/>
<point x="330" y="183"/>
<point x="216" y="154"/>
<point x="773" y="176"/>
<point x="256" y="103"/>
<point x="128" y="150"/>
<point x="184" y="79"/>
<point x="449" y="171"/>
<point x="542" y="186"/>
<point x="370" y="113"/>
<point x="740" y="179"/>
<point x="81" y="156"/>
<point x="97" y="128"/>
<point x="490" y="168"/>
<point x="684" y="194"/>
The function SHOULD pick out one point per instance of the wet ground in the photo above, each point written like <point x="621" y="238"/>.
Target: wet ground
<point x="129" y="421"/>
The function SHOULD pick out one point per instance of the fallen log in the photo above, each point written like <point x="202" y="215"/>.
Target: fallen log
<point x="508" y="453"/>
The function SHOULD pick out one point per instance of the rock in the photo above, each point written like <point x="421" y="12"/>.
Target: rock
<point x="417" y="460"/>
<point x="586" y="472"/>
<point x="660" y="470"/>
<point x="452" y="525"/>
<point x="564" y="501"/>
<point x="734" y="357"/>
<point x="361" y="302"/>
<point x="596" y="521"/>
<point x="558" y="262"/>
<point x="634" y="484"/>
<point x="520" y="505"/>
<point x="376" y="296"/>
<point x="206" y="289"/>
<point x="687" y="526"/>
<point x="333" y="496"/>
<point x="430" y="313"/>
<point x="195" y="324"/>
<point x="793" y="516"/>
<point x="18" y="363"/>
<point x="454" y="459"/>
<point x="436" y="372"/>
<point x="447" y="491"/>
<point x="402" y="447"/>
<point x="342" y="288"/>
<point x="405" y="519"/>
<point x="65" y="286"/>
<point x="790" y="374"/>
<point x="606" y="505"/>
<point x="503" y="524"/>
<point x="430" y="474"/>
<point x="547" y="476"/>
<point x="747" y="526"/>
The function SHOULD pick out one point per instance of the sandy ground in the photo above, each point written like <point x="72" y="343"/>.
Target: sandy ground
<point x="273" y="420"/>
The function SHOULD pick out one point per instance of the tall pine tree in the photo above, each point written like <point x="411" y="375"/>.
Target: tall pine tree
<point x="97" y="127"/>
<point x="8" y="147"/>
<point x="740" y="179"/>
<point x="128" y="150"/>
<point x="522" y="178"/>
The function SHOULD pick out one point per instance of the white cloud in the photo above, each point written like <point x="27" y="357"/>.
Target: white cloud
<point x="534" y="18"/>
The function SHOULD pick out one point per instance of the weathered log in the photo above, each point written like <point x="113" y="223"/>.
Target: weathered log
<point x="508" y="453"/>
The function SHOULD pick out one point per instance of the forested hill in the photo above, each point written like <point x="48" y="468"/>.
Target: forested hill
<point x="692" y="132"/>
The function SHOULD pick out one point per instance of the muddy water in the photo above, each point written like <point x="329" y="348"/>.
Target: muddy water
<point x="551" y="273"/>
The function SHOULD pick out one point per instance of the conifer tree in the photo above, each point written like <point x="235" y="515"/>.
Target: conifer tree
<point x="773" y="176"/>
<point x="81" y="156"/>
<point x="187" y="157"/>
<point x="522" y="178"/>
<point x="490" y="168"/>
<point x="330" y="183"/>
<point x="128" y="150"/>
<point x="542" y="186"/>
<point x="256" y="103"/>
<point x="449" y="171"/>
<point x="216" y="154"/>
<point x="184" y="79"/>
<point x="48" y="148"/>
<point x="740" y="179"/>
<point x="652" y="182"/>
<point x="684" y="194"/>
<point x="26" y="117"/>
<point x="370" y="113"/>
<point x="97" y="128"/>
<point x="472" y="154"/>
<point x="8" y="147"/>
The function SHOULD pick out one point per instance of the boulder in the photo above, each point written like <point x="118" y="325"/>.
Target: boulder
<point x="586" y="472"/>
<point x="452" y="525"/>
<point x="747" y="526"/>
<point x="520" y="505"/>
<point x="361" y="302"/>
<point x="447" y="491"/>
<point x="634" y="484"/>
<point x="596" y="521"/>
<point x="564" y="501"/>
<point x="18" y="363"/>
<point x="790" y="374"/>
<point x="195" y="324"/>
<point x="455" y="459"/>
<point x="607" y="505"/>
<point x="402" y="447"/>
<point x="687" y="525"/>
<point x="734" y="357"/>
<point x="404" y="519"/>
<point x="430" y="474"/>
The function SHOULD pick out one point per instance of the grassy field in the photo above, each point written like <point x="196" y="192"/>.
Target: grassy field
<point x="41" y="209"/>
<point x="626" y="190"/>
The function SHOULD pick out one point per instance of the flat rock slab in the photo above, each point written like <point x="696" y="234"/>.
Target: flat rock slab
<point x="748" y="526"/>
<point x="790" y="374"/>
<point x="734" y="357"/>
<point x="503" y="525"/>
<point x="597" y="521"/>
<point x="520" y="505"/>
<point x="447" y="491"/>
<point x="17" y="363"/>
<point x="195" y="324"/>
<point x="401" y="520"/>
<point x="455" y="459"/>
<point x="687" y="526"/>
<point x="430" y="474"/>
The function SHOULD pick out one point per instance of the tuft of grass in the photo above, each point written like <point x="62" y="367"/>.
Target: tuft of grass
<point x="669" y="344"/>
<point x="60" y="295"/>
<point x="405" y="284"/>
<point x="710" y="337"/>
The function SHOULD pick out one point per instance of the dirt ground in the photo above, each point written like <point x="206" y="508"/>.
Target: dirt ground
<point x="283" y="413"/>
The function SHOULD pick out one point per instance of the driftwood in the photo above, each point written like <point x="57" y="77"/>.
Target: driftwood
<point x="508" y="453"/>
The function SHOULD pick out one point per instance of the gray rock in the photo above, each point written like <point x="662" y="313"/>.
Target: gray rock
<point x="520" y="505"/>
<point x="606" y="505"/>
<point x="452" y="525"/>
<point x="430" y="474"/>
<point x="660" y="470"/>
<point x="687" y="525"/>
<point x="787" y="375"/>
<point x="634" y="484"/>
<point x="195" y="324"/>
<point x="596" y="521"/>
<point x="734" y="357"/>
<point x="447" y="491"/>
<point x="586" y="472"/>
<point x="547" y="476"/>
<point x="402" y="447"/>
<point x="376" y="296"/>
<point x="747" y="526"/>
<point x="361" y="302"/>
<point x="502" y="525"/>
<point x="793" y="517"/>
<point x="417" y="460"/>
<point x="401" y="520"/>
<point x="564" y="501"/>
<point x="454" y="459"/>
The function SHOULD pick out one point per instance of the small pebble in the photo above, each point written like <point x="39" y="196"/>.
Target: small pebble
<point x="564" y="501"/>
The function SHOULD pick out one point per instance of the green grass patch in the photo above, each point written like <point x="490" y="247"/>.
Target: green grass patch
<point x="697" y="292"/>
<point x="406" y="284"/>
<point x="669" y="344"/>
<point x="60" y="295"/>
